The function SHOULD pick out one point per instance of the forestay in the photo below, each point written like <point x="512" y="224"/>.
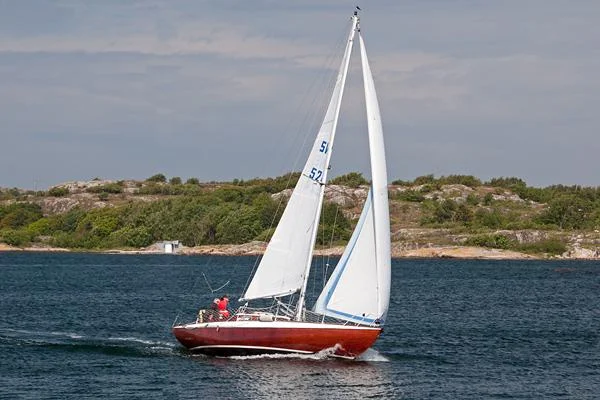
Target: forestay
<point x="283" y="267"/>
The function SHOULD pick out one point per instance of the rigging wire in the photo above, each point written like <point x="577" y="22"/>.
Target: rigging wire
<point x="190" y="292"/>
<point x="311" y="119"/>
<point x="337" y="209"/>
<point x="210" y="287"/>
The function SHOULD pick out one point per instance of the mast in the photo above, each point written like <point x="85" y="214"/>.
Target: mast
<point x="315" y="227"/>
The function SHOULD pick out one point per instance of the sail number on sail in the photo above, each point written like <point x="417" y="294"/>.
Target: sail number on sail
<point x="324" y="147"/>
<point x="315" y="173"/>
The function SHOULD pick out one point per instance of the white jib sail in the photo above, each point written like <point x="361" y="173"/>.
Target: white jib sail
<point x="359" y="288"/>
<point x="284" y="265"/>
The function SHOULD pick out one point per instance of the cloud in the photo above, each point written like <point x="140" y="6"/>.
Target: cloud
<point x="221" y="90"/>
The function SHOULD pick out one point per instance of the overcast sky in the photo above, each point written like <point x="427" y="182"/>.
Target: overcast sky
<point x="232" y="89"/>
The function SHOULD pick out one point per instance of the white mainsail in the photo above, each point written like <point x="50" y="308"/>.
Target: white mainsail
<point x="359" y="288"/>
<point x="285" y="264"/>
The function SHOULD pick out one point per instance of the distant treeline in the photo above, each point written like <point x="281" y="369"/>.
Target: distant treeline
<point x="240" y="211"/>
<point x="234" y="213"/>
<point x="566" y="207"/>
<point x="516" y="185"/>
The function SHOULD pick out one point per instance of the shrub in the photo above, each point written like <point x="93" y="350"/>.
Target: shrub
<point x="495" y="241"/>
<point x="240" y="226"/>
<point x="401" y="182"/>
<point x="353" y="180"/>
<point x="334" y="226"/>
<point x="489" y="218"/>
<point x="15" y="237"/>
<point x="567" y="212"/>
<point x="428" y="188"/>
<point x="273" y="185"/>
<point x="131" y="237"/>
<point x="43" y="226"/>
<point x="467" y="180"/>
<point x="58" y="191"/>
<point x="508" y="183"/>
<point x="265" y="235"/>
<point x="421" y="180"/>
<point x="487" y="199"/>
<point x="159" y="189"/>
<point x="18" y="215"/>
<point x="548" y="246"/>
<point x="410" y="195"/>
<point x="445" y="211"/>
<point x="463" y="214"/>
<point x="114" y="188"/>
<point x="472" y="199"/>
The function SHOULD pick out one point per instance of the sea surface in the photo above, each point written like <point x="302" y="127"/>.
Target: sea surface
<point x="75" y="326"/>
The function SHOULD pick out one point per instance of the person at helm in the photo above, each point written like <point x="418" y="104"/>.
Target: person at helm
<point x="222" y="307"/>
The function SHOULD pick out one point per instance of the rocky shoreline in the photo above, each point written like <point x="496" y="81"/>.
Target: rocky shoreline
<point x="257" y="248"/>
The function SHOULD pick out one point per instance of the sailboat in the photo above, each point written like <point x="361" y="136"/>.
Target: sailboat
<point x="350" y="312"/>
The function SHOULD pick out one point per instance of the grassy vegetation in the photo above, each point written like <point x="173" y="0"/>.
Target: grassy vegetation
<point x="229" y="214"/>
<point x="240" y="211"/>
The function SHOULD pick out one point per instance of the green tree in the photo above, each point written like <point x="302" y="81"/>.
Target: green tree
<point x="192" y="181"/>
<point x="43" y="226"/>
<point x="422" y="180"/>
<point x="15" y="237"/>
<point x="268" y="210"/>
<point x="240" y="226"/>
<point x="175" y="180"/>
<point x="567" y="212"/>
<point x="158" y="178"/>
<point x="131" y="237"/>
<point x="463" y="214"/>
<point x="18" y="215"/>
<point x="334" y="226"/>
<point x="445" y="211"/>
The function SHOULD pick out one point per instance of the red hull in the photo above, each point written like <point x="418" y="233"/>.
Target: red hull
<point x="227" y="338"/>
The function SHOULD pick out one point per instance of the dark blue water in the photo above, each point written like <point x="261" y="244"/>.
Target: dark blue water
<point x="91" y="326"/>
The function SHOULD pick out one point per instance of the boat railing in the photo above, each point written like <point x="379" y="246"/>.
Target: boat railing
<point x="283" y="312"/>
<point x="275" y="312"/>
<point x="311" y="316"/>
<point x="209" y="315"/>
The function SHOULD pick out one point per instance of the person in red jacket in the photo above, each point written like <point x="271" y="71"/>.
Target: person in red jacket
<point x="222" y="306"/>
